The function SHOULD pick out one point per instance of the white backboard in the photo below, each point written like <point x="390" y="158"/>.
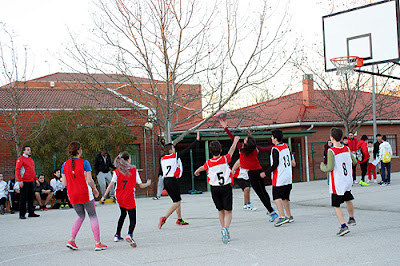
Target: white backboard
<point x="370" y="32"/>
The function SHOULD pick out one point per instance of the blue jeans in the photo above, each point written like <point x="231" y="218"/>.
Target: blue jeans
<point x="385" y="166"/>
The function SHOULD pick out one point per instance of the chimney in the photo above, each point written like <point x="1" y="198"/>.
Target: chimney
<point x="308" y="89"/>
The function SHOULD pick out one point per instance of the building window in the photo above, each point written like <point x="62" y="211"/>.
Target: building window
<point x="133" y="150"/>
<point x="392" y="139"/>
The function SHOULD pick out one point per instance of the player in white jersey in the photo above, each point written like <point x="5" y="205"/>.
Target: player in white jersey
<point x="339" y="166"/>
<point x="171" y="166"/>
<point x="281" y="175"/>
<point x="241" y="178"/>
<point x="220" y="179"/>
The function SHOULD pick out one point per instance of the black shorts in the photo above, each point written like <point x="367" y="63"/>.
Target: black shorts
<point x="281" y="192"/>
<point x="172" y="187"/>
<point x="339" y="199"/>
<point x="242" y="183"/>
<point x="222" y="197"/>
<point x="43" y="196"/>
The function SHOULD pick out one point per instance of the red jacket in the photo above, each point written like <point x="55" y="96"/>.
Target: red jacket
<point x="353" y="145"/>
<point x="25" y="169"/>
<point x="364" y="149"/>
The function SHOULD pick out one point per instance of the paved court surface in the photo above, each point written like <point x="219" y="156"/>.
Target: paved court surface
<point x="310" y="240"/>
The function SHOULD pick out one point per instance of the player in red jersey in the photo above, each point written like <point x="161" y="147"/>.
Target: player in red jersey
<point x="77" y="176"/>
<point x="220" y="179"/>
<point x="126" y="176"/>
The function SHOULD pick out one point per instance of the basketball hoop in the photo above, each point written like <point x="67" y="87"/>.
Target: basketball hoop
<point x="346" y="64"/>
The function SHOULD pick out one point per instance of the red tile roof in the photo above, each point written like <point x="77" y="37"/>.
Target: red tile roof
<point x="49" y="98"/>
<point x="287" y="109"/>
<point x="90" y="78"/>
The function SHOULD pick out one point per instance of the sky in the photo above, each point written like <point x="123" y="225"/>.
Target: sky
<point x="44" y="26"/>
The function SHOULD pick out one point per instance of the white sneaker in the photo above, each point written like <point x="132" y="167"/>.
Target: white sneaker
<point x="245" y="207"/>
<point x="130" y="240"/>
<point x="250" y="207"/>
<point x="368" y="181"/>
<point x="375" y="181"/>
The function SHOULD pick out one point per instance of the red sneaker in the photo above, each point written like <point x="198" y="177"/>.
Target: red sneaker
<point x="162" y="222"/>
<point x="72" y="245"/>
<point x="183" y="222"/>
<point x="99" y="247"/>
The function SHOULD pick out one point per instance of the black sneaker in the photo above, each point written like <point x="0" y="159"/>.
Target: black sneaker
<point x="351" y="221"/>
<point x="22" y="217"/>
<point x="33" y="215"/>
<point x="343" y="231"/>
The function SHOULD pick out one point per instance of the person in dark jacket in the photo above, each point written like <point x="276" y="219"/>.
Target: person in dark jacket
<point x="43" y="191"/>
<point x="352" y="144"/>
<point x="102" y="165"/>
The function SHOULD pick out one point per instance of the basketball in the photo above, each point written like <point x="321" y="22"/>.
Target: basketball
<point x="148" y="125"/>
<point x="221" y="115"/>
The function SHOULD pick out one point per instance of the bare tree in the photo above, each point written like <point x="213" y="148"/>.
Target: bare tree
<point x="227" y="47"/>
<point x="16" y="123"/>
<point x="346" y="96"/>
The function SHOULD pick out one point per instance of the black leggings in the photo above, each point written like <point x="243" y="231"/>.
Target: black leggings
<point x="132" y="220"/>
<point x="364" y="168"/>
<point x="259" y="187"/>
<point x="3" y="201"/>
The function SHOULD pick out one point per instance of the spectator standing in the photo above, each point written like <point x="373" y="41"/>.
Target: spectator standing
<point x="345" y="141"/>
<point x="362" y="158"/>
<point x="3" y="194"/>
<point x="385" y="154"/>
<point x="60" y="191"/>
<point x="43" y="192"/>
<point x="102" y="165"/>
<point x="376" y="151"/>
<point x="371" y="166"/>
<point x="160" y="184"/>
<point x="25" y="175"/>
<point x="14" y="192"/>
<point x="352" y="144"/>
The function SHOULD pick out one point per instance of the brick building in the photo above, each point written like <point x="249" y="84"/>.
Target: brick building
<point x="39" y="98"/>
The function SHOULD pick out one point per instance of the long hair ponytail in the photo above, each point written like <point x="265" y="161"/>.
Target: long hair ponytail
<point x="121" y="163"/>
<point x="250" y="146"/>
<point x="73" y="149"/>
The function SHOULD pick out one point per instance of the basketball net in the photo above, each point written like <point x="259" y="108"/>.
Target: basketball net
<point x="346" y="64"/>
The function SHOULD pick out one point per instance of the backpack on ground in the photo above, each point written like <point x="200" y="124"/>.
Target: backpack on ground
<point x="359" y="155"/>
<point x="386" y="158"/>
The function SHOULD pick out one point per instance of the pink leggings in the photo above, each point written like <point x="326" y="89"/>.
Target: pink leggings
<point x="94" y="222"/>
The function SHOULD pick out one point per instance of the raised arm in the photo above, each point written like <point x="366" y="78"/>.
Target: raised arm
<point x="191" y="146"/>
<point x="233" y="146"/>
<point x="224" y="124"/>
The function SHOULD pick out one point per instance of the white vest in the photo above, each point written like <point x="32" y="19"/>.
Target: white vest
<point x="219" y="173"/>
<point x="341" y="178"/>
<point x="282" y="175"/>
<point x="171" y="166"/>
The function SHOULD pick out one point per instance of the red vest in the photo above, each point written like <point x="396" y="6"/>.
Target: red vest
<point x="78" y="190"/>
<point x="125" y="191"/>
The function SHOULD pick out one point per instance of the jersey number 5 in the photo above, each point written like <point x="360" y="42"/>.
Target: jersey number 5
<point x="221" y="178"/>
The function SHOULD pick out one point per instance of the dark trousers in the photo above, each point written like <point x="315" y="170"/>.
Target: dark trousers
<point x="364" y="168"/>
<point x="62" y="195"/>
<point x="259" y="187"/>
<point x="385" y="167"/>
<point x="3" y="201"/>
<point x="14" y="197"/>
<point x="26" y="197"/>
<point x="132" y="220"/>
<point x="354" y="172"/>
